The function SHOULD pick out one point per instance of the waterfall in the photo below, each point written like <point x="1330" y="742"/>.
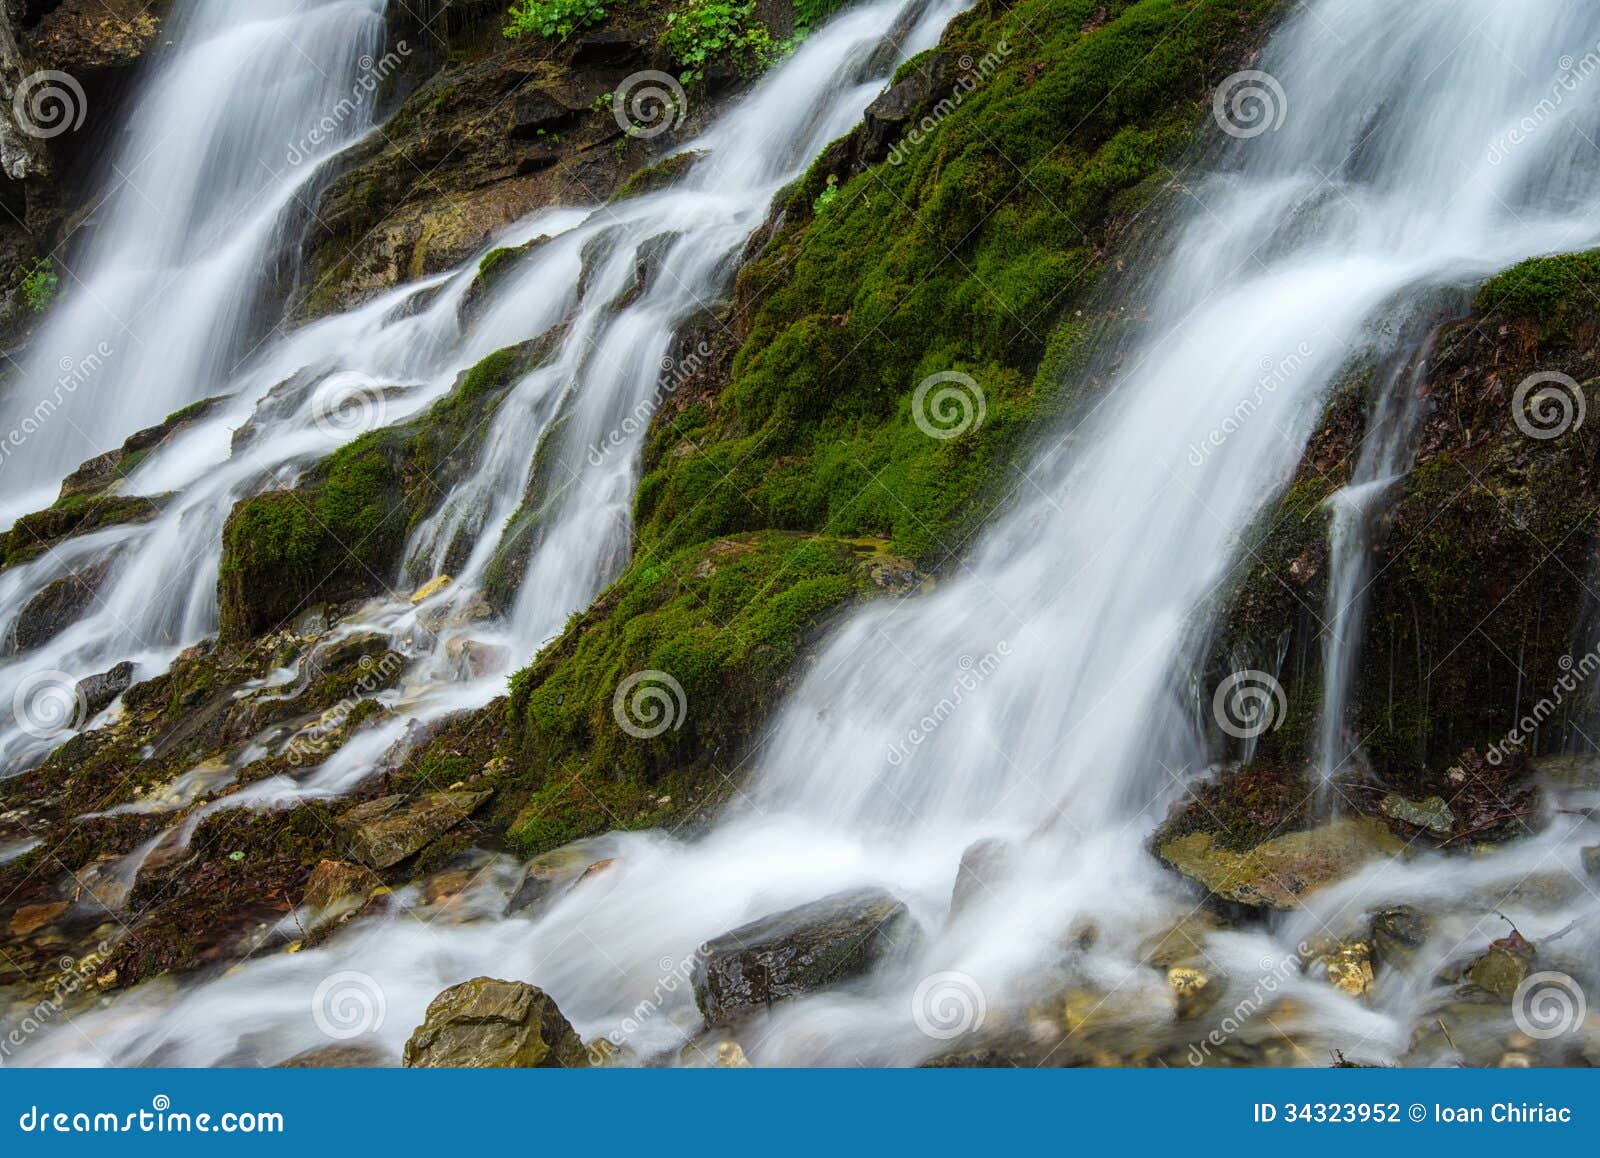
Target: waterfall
<point x="176" y="281"/>
<point x="1083" y="607"/>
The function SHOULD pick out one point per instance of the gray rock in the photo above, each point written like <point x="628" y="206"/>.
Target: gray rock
<point x="800" y="951"/>
<point x="58" y="606"/>
<point x="1433" y="813"/>
<point x="99" y="690"/>
<point x="490" y="1024"/>
<point x="981" y="864"/>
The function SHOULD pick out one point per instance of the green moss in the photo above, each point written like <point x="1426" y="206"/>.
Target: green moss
<point x="339" y="534"/>
<point x="1557" y="291"/>
<point x="721" y="624"/>
<point x="662" y="175"/>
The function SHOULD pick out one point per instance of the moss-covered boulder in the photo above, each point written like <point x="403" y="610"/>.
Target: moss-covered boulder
<point x="1281" y="872"/>
<point x="490" y="1024"/>
<point x="339" y="533"/>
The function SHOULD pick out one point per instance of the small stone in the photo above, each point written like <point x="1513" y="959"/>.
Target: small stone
<point x="1397" y="933"/>
<point x="475" y="660"/>
<point x="1179" y="942"/>
<point x="1515" y="1061"/>
<point x="485" y="1024"/>
<point x="1194" y="989"/>
<point x="99" y="690"/>
<point x="730" y="1056"/>
<point x="32" y="918"/>
<point x="1350" y="968"/>
<point x="1432" y="813"/>
<point x="982" y="864"/>
<point x="1591" y="860"/>
<point x="1502" y="968"/>
<point x="336" y="883"/>
<point x="432" y="587"/>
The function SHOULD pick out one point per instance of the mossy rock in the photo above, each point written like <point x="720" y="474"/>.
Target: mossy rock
<point x="1281" y="872"/>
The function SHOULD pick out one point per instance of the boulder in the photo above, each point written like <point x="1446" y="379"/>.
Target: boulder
<point x="888" y="117"/>
<point x="58" y="606"/>
<point x="99" y="690"/>
<point x="799" y="951"/>
<point x="1397" y="933"/>
<point x="1277" y="873"/>
<point x="490" y="1024"/>
<point x="383" y="832"/>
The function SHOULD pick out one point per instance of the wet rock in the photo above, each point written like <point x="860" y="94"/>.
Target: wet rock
<point x="383" y="832"/>
<point x="888" y="117"/>
<point x="32" y="918"/>
<point x="474" y="660"/>
<point x="536" y="112"/>
<point x="1397" y="933"/>
<point x="58" y="606"/>
<point x="1277" y="873"/>
<point x="1591" y="860"/>
<point x="337" y="885"/>
<point x="431" y="588"/>
<point x="1432" y="813"/>
<point x="1349" y="967"/>
<point x="800" y="951"/>
<point x="1194" y="989"/>
<point x="99" y="690"/>
<point x="982" y="863"/>
<point x="546" y="873"/>
<point x="347" y="1055"/>
<point x="1182" y="941"/>
<point x="490" y="1024"/>
<point x="340" y="653"/>
<point x="730" y="1056"/>
<point x="1502" y="968"/>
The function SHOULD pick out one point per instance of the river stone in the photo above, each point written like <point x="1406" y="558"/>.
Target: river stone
<point x="337" y="883"/>
<point x="490" y="1024"/>
<point x="1397" y="933"/>
<point x="1433" y="813"/>
<point x="1591" y="860"/>
<point x="1277" y="873"/>
<point x="383" y="832"/>
<point x="344" y="1055"/>
<point x="800" y="951"/>
<point x="99" y="690"/>
<point x="983" y="861"/>
<point x="1502" y="968"/>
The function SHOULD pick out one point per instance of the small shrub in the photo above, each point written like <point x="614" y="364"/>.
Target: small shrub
<point x="41" y="285"/>
<point x="552" y="18"/>
<point x="704" y="31"/>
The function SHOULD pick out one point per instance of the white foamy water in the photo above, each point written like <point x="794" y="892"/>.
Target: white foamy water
<point x="1085" y="608"/>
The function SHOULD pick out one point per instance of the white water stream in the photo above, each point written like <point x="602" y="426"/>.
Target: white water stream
<point x="1084" y="610"/>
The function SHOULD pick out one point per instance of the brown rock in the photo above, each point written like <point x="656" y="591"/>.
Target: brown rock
<point x="490" y="1024"/>
<point x="32" y="918"/>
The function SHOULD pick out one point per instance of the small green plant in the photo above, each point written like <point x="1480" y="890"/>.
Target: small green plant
<point x="39" y="288"/>
<point x="825" y="198"/>
<point x="704" y="31"/>
<point x="810" y="13"/>
<point x="552" y="18"/>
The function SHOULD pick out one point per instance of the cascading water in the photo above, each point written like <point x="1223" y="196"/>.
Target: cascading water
<point x="1054" y="661"/>
<point x="223" y="148"/>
